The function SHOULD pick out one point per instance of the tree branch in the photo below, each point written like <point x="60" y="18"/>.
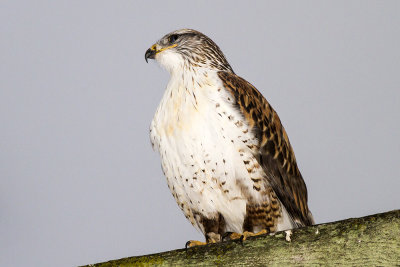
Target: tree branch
<point x="372" y="240"/>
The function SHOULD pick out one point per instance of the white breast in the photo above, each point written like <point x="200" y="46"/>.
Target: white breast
<point x="203" y="142"/>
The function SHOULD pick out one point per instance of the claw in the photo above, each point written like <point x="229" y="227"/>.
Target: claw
<point x="187" y="244"/>
<point x="242" y="238"/>
<point x="225" y="235"/>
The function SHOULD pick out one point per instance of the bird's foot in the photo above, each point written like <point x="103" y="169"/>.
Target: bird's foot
<point x="210" y="237"/>
<point x="247" y="234"/>
<point x="244" y="236"/>
<point x="231" y="236"/>
<point x="194" y="243"/>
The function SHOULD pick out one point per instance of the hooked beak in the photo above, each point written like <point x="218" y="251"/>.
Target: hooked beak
<point x="150" y="53"/>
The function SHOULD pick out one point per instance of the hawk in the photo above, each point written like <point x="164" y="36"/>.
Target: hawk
<point x="226" y="156"/>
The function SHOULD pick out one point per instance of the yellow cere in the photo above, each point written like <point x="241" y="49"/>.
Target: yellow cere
<point x="162" y="49"/>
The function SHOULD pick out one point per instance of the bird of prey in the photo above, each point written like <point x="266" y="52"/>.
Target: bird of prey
<point x="226" y="156"/>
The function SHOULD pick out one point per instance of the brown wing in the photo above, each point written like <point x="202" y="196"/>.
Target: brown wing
<point x="276" y="155"/>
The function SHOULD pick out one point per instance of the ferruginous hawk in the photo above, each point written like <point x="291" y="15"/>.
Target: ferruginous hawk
<point x="226" y="156"/>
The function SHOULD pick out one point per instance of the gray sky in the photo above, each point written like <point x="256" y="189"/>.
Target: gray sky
<point x="79" y="182"/>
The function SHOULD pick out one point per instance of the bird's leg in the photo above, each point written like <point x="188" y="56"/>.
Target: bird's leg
<point x="213" y="228"/>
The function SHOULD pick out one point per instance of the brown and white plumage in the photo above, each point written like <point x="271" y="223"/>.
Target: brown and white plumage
<point x="226" y="156"/>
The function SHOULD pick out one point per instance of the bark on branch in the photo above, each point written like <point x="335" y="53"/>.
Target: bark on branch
<point x="372" y="240"/>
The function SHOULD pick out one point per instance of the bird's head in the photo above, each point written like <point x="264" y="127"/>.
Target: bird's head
<point x="187" y="49"/>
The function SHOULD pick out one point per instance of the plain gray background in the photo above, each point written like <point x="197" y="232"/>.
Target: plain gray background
<point x="79" y="182"/>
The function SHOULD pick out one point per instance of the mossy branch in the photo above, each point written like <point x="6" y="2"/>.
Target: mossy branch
<point x="372" y="240"/>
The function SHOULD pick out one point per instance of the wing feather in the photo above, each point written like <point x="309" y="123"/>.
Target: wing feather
<point x="275" y="153"/>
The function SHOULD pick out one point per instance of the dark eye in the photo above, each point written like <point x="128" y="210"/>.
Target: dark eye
<point x="173" y="38"/>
